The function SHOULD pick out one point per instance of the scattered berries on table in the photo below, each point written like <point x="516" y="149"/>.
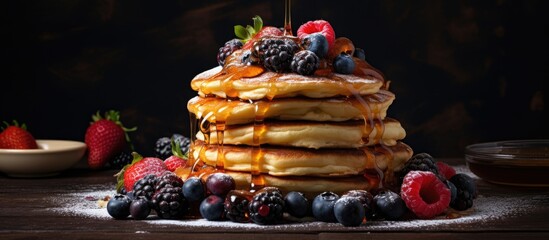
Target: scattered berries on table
<point x="145" y="187"/>
<point x="122" y="159"/>
<point x="466" y="191"/>
<point x="366" y="199"/>
<point x="119" y="206"/>
<point x="305" y="62"/>
<point x="169" y="202"/>
<point x="389" y="205"/>
<point x="323" y="206"/>
<point x="349" y="211"/>
<point x="194" y="189"/>
<point x="425" y="194"/>
<point x="237" y="205"/>
<point x="212" y="208"/>
<point x="266" y="207"/>
<point x="227" y="49"/>
<point x="445" y="170"/>
<point x="297" y="204"/>
<point x="220" y="184"/>
<point x="419" y="162"/>
<point x="163" y="147"/>
<point x="139" y="168"/>
<point x="16" y="136"/>
<point x="140" y="208"/>
<point x="168" y="178"/>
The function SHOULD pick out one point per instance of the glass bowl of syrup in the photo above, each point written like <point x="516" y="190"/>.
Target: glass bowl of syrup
<point x="515" y="162"/>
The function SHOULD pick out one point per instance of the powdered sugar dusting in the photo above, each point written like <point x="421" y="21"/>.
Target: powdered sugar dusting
<point x="486" y="210"/>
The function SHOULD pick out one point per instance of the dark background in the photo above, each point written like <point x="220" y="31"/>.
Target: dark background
<point x="463" y="71"/>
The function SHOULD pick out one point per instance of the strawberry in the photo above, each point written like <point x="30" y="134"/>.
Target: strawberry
<point x="139" y="168"/>
<point x="17" y="137"/>
<point x="105" y="137"/>
<point x="321" y="26"/>
<point x="177" y="159"/>
<point x="248" y="35"/>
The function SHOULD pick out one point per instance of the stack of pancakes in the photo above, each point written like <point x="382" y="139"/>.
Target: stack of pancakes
<point x="325" y="132"/>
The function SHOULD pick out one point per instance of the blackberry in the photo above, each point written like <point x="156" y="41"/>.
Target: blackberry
<point x="163" y="148"/>
<point x="466" y="191"/>
<point x="419" y="162"/>
<point x="266" y="207"/>
<point x="169" y="202"/>
<point x="305" y="62"/>
<point x="463" y="200"/>
<point x="145" y="186"/>
<point x="121" y="160"/>
<point x="275" y="53"/>
<point x="237" y="205"/>
<point x="228" y="48"/>
<point x="168" y="179"/>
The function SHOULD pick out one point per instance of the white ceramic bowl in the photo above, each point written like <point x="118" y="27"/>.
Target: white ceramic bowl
<point x="51" y="157"/>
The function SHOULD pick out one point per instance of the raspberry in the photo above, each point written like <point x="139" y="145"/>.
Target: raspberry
<point x="445" y="170"/>
<point x="321" y="26"/>
<point x="424" y="194"/>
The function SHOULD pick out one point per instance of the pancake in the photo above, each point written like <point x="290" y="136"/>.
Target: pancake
<point x="310" y="186"/>
<point x="349" y="134"/>
<point x="330" y="109"/>
<point x="279" y="161"/>
<point x="268" y="85"/>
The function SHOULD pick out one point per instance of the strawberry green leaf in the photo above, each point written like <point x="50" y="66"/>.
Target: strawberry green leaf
<point x="120" y="175"/>
<point x="241" y="32"/>
<point x="258" y="23"/>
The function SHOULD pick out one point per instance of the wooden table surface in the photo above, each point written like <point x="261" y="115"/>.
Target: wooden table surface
<point x="23" y="216"/>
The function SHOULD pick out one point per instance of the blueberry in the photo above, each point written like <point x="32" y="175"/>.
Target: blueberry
<point x="193" y="189"/>
<point x="463" y="181"/>
<point x="389" y="205"/>
<point x="344" y="64"/>
<point x="323" y="207"/>
<point x="359" y="53"/>
<point x="140" y="208"/>
<point x="316" y="43"/>
<point x="297" y="204"/>
<point x="119" y="206"/>
<point x="212" y="208"/>
<point x="366" y="199"/>
<point x="220" y="184"/>
<point x="349" y="211"/>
